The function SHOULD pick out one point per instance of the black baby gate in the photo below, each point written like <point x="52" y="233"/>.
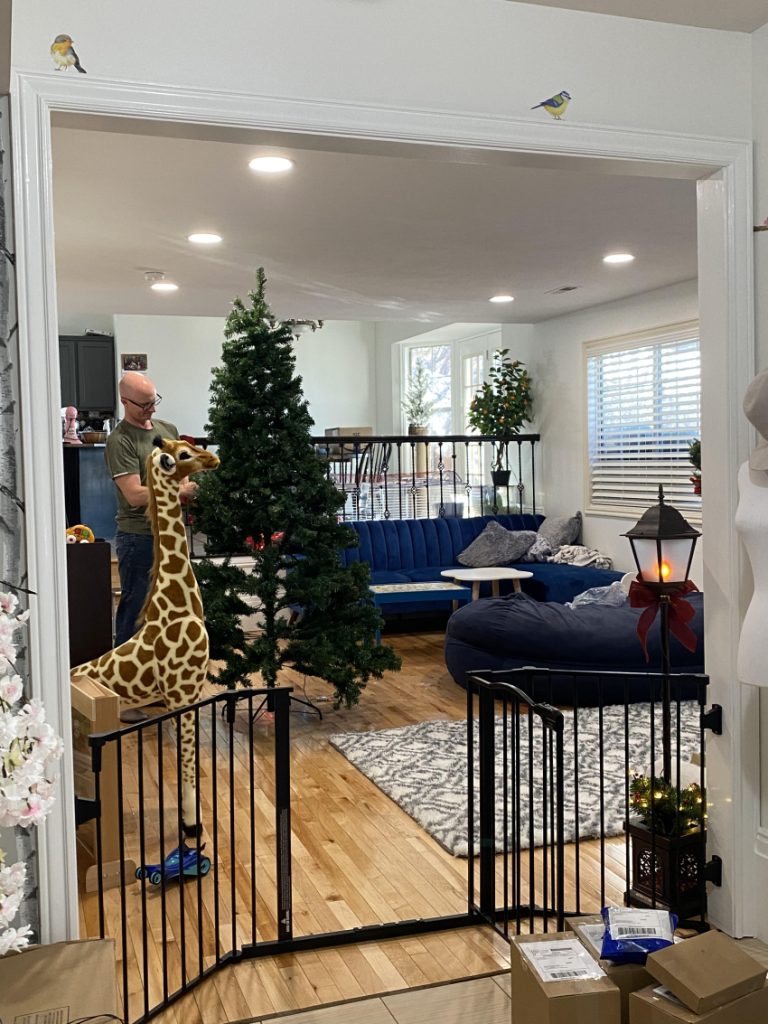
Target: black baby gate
<point x="179" y="911"/>
<point x="554" y="803"/>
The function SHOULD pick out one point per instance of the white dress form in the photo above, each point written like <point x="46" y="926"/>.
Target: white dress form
<point x="752" y="525"/>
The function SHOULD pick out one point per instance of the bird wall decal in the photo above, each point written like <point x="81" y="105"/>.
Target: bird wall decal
<point x="64" y="56"/>
<point x="556" y="105"/>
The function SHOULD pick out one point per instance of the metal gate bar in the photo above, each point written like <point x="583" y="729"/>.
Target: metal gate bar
<point x="197" y="924"/>
<point x="526" y="820"/>
<point x="518" y="749"/>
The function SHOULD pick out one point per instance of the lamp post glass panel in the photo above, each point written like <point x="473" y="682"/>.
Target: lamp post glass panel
<point x="662" y="543"/>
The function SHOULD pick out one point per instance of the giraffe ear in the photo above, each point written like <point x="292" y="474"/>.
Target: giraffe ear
<point x="157" y="441"/>
<point x="167" y="462"/>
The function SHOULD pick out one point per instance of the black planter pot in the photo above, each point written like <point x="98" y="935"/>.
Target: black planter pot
<point x="667" y="871"/>
<point x="500" y="477"/>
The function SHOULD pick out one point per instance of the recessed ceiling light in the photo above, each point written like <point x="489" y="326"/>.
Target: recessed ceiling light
<point x="271" y="164"/>
<point x="204" y="238"/>
<point x="502" y="298"/>
<point x="619" y="257"/>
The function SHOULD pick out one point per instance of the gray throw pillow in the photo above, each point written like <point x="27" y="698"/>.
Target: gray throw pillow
<point x="497" y="546"/>
<point x="559" y="530"/>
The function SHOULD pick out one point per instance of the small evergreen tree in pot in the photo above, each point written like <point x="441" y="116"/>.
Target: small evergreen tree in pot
<point x="272" y="501"/>
<point x="503" y="404"/>
<point x="416" y="406"/>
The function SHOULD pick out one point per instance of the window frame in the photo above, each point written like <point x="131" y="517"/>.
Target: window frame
<point x="657" y="337"/>
<point x="482" y="342"/>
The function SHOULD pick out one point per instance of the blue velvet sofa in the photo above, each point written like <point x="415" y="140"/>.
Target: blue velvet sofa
<point x="417" y="550"/>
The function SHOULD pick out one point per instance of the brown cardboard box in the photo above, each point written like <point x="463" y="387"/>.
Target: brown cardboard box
<point x="706" y="971"/>
<point x="571" y="1001"/>
<point x="58" y="983"/>
<point x="349" y="432"/>
<point x="647" y="1007"/>
<point x="627" y="978"/>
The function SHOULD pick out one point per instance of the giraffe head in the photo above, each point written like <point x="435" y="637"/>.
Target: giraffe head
<point x="175" y="460"/>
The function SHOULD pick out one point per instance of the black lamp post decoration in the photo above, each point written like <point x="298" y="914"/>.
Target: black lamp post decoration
<point x="662" y="544"/>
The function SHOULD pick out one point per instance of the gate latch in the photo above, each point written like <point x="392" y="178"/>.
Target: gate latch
<point x="85" y="810"/>
<point x="713" y="719"/>
<point x="713" y="871"/>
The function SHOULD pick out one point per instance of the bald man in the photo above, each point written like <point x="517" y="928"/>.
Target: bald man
<point x="126" y="453"/>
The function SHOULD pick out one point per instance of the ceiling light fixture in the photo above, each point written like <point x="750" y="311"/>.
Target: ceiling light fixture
<point x="299" y="327"/>
<point x="204" y="238"/>
<point x="158" y="283"/>
<point x="502" y="298"/>
<point x="271" y="164"/>
<point x="618" y="257"/>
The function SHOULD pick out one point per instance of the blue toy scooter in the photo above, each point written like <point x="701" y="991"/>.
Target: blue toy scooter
<point x="184" y="860"/>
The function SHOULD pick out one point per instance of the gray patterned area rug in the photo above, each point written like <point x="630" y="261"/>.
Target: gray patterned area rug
<point x="423" y="768"/>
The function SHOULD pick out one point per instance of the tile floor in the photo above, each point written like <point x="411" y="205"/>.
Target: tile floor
<point x="477" y="1001"/>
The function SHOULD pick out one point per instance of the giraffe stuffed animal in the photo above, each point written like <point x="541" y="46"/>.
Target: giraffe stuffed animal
<point x="168" y="657"/>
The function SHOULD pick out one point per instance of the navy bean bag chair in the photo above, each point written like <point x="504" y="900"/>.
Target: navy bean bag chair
<point x="516" y="631"/>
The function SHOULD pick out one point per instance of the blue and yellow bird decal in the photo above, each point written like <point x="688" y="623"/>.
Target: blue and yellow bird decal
<point x="555" y="105"/>
<point x="64" y="56"/>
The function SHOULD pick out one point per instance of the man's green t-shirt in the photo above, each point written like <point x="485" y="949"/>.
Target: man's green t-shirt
<point x="127" y="450"/>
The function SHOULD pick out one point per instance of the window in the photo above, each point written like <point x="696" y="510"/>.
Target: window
<point x="472" y="382"/>
<point x="437" y="360"/>
<point x="643" y="409"/>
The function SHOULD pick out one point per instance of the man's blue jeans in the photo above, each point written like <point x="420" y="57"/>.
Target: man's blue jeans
<point x="134" y="561"/>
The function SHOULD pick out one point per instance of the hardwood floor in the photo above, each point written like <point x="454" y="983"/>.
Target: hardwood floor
<point x="358" y="859"/>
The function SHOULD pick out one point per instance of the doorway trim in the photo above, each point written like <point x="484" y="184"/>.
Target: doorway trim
<point x="727" y="313"/>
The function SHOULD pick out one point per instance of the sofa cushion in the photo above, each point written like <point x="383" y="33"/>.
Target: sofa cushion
<point x="403" y="544"/>
<point x="496" y="546"/>
<point x="559" y="530"/>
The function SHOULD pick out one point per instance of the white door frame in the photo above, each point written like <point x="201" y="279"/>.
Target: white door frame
<point x="727" y="342"/>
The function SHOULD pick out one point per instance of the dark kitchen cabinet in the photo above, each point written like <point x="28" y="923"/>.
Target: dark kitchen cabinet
<point x="88" y="373"/>
<point x="89" y="597"/>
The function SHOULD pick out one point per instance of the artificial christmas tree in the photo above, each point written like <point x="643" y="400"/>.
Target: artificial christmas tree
<point x="271" y="499"/>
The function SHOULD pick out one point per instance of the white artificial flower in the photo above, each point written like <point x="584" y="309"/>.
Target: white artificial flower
<point x="29" y="750"/>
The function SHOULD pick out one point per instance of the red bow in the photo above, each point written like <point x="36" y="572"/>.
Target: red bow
<point x="680" y="612"/>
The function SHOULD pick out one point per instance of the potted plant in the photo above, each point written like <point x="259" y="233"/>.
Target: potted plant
<point x="668" y="845"/>
<point x="501" y="406"/>
<point x="694" y="457"/>
<point x="416" y="405"/>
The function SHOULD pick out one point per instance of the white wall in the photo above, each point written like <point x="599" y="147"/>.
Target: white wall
<point x="491" y="56"/>
<point x="334" y="362"/>
<point x="338" y="367"/>
<point x="557" y="364"/>
<point x="79" y="323"/>
<point x="760" y="132"/>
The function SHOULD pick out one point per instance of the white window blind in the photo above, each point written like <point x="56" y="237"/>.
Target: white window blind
<point x="643" y="409"/>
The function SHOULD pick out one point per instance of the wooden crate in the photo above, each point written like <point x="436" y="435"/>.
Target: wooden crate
<point x="96" y="709"/>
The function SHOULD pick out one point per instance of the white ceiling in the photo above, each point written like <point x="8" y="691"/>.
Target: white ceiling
<point x="394" y="233"/>
<point x="731" y="15"/>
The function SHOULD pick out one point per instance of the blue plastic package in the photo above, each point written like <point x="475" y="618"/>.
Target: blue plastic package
<point x="632" y="933"/>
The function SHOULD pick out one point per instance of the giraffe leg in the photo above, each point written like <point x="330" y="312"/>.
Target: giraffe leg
<point x="193" y="828"/>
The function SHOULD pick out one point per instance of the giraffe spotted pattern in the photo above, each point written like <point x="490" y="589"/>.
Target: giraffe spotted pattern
<point x="167" y="658"/>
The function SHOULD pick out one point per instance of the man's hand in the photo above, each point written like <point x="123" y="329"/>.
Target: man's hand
<point x="187" y="489"/>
